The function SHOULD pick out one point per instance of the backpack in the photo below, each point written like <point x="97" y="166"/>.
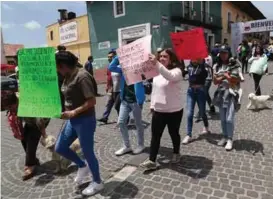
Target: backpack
<point x="15" y="123"/>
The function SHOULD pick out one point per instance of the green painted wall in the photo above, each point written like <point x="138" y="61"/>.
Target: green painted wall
<point x="104" y="27"/>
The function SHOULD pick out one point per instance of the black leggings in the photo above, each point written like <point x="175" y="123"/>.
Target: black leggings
<point x="244" y="64"/>
<point x="159" y="121"/>
<point x="31" y="138"/>
<point x="257" y="78"/>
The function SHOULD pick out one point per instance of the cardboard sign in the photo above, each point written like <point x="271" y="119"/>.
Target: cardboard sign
<point x="134" y="61"/>
<point x="39" y="91"/>
<point x="190" y="44"/>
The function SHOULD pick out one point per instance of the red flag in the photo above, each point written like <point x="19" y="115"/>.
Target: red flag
<point x="190" y="44"/>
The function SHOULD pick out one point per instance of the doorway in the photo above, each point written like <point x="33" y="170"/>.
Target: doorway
<point x="210" y="41"/>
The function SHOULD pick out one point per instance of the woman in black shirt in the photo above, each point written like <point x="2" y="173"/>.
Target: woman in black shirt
<point x="196" y="94"/>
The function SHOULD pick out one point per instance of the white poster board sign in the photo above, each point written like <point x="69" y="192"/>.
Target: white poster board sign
<point x="68" y="32"/>
<point x="258" y="26"/>
<point x="236" y="36"/>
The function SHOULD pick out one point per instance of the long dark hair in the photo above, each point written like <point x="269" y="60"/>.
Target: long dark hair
<point x="261" y="51"/>
<point x="174" y="62"/>
<point x="67" y="58"/>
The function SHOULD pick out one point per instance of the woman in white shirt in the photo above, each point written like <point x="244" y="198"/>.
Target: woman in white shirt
<point x="258" y="67"/>
<point x="166" y="105"/>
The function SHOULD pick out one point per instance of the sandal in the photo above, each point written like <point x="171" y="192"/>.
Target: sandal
<point x="29" y="172"/>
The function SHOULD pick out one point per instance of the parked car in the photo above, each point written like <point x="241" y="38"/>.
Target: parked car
<point x="7" y="69"/>
<point x="13" y="76"/>
<point x="8" y="86"/>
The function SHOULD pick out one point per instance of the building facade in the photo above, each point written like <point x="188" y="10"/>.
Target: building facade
<point x="10" y="51"/>
<point x="238" y="11"/>
<point x="113" y="24"/>
<point x="3" y="57"/>
<point x="73" y="34"/>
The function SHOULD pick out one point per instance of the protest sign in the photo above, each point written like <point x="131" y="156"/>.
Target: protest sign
<point x="190" y="44"/>
<point x="134" y="61"/>
<point x="39" y="92"/>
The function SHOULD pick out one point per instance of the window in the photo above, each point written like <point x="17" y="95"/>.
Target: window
<point x="205" y="11"/>
<point x="229" y="22"/>
<point x="188" y="9"/>
<point x="51" y="35"/>
<point x="119" y="8"/>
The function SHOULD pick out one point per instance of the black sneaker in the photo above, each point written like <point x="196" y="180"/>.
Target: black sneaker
<point x="212" y="110"/>
<point x="103" y="120"/>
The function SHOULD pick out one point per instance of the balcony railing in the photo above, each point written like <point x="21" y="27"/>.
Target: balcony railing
<point x="192" y="16"/>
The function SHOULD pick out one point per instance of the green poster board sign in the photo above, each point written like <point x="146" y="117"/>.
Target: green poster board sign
<point x="38" y="83"/>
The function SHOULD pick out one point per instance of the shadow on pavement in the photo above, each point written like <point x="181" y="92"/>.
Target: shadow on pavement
<point x="193" y="166"/>
<point x="260" y="109"/>
<point x="113" y="190"/>
<point x="44" y="179"/>
<point x="212" y="138"/>
<point x="250" y="146"/>
<point x="46" y="173"/>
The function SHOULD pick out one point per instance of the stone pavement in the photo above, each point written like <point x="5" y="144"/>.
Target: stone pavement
<point x="206" y="171"/>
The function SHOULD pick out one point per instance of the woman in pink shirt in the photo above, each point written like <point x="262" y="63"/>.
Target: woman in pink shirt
<point x="166" y="105"/>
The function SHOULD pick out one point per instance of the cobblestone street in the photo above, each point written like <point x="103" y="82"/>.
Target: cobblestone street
<point x="205" y="171"/>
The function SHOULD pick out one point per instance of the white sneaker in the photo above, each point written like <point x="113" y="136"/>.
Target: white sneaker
<point x="92" y="189"/>
<point x="123" y="151"/>
<point x="81" y="174"/>
<point x="205" y="130"/>
<point x="222" y="142"/>
<point x="229" y="145"/>
<point x="186" y="140"/>
<point x="148" y="165"/>
<point x="138" y="150"/>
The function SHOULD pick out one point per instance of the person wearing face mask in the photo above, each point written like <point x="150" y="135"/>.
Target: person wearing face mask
<point x="197" y="72"/>
<point x="166" y="105"/>
<point x="113" y="90"/>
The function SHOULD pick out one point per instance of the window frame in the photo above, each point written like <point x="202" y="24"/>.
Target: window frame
<point x="207" y="11"/>
<point x="229" y="20"/>
<point x="190" y="6"/>
<point x="51" y="35"/>
<point x="115" y="9"/>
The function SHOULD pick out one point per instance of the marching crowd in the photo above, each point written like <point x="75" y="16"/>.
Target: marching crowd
<point x="79" y="90"/>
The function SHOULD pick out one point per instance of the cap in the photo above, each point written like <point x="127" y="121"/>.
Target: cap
<point x="223" y="49"/>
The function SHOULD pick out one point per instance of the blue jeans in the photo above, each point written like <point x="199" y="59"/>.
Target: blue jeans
<point x="227" y="119"/>
<point x="125" y="109"/>
<point x="84" y="129"/>
<point x="113" y="100"/>
<point x="196" y="95"/>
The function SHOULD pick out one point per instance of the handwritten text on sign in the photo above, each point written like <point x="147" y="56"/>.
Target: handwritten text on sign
<point x="68" y="32"/>
<point x="190" y="44"/>
<point x="39" y="93"/>
<point x="134" y="60"/>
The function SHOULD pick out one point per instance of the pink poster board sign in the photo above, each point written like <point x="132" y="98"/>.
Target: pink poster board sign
<point x="134" y="61"/>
